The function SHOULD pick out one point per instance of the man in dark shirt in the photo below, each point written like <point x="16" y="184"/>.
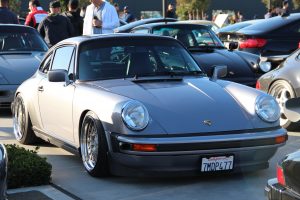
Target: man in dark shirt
<point x="55" y="27"/>
<point x="73" y="14"/>
<point x="6" y="16"/>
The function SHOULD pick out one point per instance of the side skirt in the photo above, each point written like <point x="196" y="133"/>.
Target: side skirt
<point x="59" y="143"/>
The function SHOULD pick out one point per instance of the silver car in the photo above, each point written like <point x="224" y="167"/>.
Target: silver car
<point x="21" y="51"/>
<point x="140" y="105"/>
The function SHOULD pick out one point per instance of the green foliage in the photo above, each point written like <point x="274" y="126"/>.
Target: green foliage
<point x="273" y="3"/>
<point x="26" y="167"/>
<point x="184" y="7"/>
<point x="296" y="4"/>
<point x="15" y="6"/>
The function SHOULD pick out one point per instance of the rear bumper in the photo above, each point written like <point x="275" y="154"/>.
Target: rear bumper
<point x="7" y="95"/>
<point x="275" y="191"/>
<point x="177" y="156"/>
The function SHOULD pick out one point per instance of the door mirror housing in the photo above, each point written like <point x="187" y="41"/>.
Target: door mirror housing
<point x="58" y="75"/>
<point x="233" y="46"/>
<point x="219" y="72"/>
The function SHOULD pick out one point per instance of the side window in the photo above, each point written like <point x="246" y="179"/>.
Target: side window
<point x="45" y="65"/>
<point x="144" y="31"/>
<point x="62" y="58"/>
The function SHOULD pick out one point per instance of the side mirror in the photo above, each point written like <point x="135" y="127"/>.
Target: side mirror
<point x="292" y="109"/>
<point x="233" y="46"/>
<point x="219" y="72"/>
<point x="59" y="75"/>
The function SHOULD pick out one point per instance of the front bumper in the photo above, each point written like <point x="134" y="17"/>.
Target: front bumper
<point x="7" y="93"/>
<point x="275" y="191"/>
<point x="183" y="155"/>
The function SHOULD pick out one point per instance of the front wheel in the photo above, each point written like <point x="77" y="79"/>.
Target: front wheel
<point x="93" y="146"/>
<point x="282" y="91"/>
<point x="21" y="123"/>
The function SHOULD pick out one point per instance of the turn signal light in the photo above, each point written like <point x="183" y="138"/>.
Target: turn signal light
<point x="257" y="86"/>
<point x="252" y="43"/>
<point x="280" y="175"/>
<point x="281" y="139"/>
<point x="144" y="147"/>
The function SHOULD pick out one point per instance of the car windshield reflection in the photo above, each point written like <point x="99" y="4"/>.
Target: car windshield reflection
<point x="126" y="61"/>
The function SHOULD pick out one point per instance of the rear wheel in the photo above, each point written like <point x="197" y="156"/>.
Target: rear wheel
<point x="22" y="124"/>
<point x="282" y="91"/>
<point x="93" y="146"/>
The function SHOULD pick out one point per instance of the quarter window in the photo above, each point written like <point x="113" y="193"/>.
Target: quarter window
<point x="44" y="67"/>
<point x="62" y="58"/>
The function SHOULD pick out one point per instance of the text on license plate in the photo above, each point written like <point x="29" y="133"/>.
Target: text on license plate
<point x="218" y="163"/>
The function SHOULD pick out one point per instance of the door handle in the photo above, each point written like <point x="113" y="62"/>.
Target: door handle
<point x="41" y="88"/>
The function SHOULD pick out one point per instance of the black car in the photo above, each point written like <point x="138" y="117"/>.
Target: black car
<point x="128" y="27"/>
<point x="283" y="83"/>
<point x="209" y="51"/>
<point x="270" y="37"/>
<point x="287" y="184"/>
<point x="3" y="172"/>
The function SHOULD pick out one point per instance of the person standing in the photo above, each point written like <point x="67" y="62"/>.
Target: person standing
<point x="285" y="8"/>
<point x="6" y="16"/>
<point x="128" y="17"/>
<point x="36" y="14"/>
<point x="73" y="14"/>
<point x="55" y="27"/>
<point x="100" y="17"/>
<point x="170" y="11"/>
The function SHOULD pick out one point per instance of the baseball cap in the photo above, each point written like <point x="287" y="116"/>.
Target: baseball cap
<point x="54" y="4"/>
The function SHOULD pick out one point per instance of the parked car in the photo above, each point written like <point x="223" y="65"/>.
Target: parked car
<point x="283" y="83"/>
<point x="286" y="186"/>
<point x="270" y="37"/>
<point x="208" y="51"/>
<point x="3" y="172"/>
<point x="21" y="51"/>
<point x="232" y="28"/>
<point x="208" y="23"/>
<point x="128" y="27"/>
<point x="117" y="98"/>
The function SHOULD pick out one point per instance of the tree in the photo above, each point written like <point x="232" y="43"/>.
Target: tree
<point x="272" y="3"/>
<point x="296" y="4"/>
<point x="15" y="6"/>
<point x="187" y="8"/>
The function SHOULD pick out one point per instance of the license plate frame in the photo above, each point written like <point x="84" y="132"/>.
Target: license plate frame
<point x="217" y="163"/>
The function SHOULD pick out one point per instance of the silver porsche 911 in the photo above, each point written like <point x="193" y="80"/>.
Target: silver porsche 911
<point x="21" y="52"/>
<point x="140" y="105"/>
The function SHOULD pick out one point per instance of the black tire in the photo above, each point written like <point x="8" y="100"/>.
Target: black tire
<point x="92" y="133"/>
<point x="22" y="123"/>
<point x="282" y="91"/>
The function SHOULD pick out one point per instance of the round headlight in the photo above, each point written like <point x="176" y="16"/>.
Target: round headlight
<point x="265" y="66"/>
<point x="135" y="115"/>
<point x="267" y="108"/>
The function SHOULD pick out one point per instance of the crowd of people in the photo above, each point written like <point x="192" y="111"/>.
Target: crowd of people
<point x="277" y="11"/>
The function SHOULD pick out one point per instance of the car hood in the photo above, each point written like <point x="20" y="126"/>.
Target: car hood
<point x="183" y="105"/>
<point x="15" y="68"/>
<point x="237" y="65"/>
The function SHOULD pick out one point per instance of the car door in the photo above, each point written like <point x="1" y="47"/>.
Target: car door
<point x="56" y="98"/>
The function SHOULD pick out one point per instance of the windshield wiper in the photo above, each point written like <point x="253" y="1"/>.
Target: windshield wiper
<point x="205" y="48"/>
<point x="169" y="73"/>
<point x="14" y="52"/>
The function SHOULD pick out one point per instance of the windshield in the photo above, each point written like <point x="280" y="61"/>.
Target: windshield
<point x="21" y="40"/>
<point x="195" y="36"/>
<point x="124" y="59"/>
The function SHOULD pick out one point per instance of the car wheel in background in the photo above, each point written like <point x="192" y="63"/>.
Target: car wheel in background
<point x="93" y="146"/>
<point x="22" y="124"/>
<point x="282" y="91"/>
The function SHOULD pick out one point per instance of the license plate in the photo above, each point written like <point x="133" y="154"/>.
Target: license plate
<point x="217" y="163"/>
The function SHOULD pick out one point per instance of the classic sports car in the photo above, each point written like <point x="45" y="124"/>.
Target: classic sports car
<point x="287" y="185"/>
<point x="3" y="172"/>
<point x="208" y="50"/>
<point x="140" y="105"/>
<point x="21" y="51"/>
<point x="283" y="83"/>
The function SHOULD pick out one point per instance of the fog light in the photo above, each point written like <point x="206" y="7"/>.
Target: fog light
<point x="144" y="147"/>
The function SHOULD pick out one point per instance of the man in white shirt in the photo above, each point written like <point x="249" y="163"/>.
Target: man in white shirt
<point x="100" y="18"/>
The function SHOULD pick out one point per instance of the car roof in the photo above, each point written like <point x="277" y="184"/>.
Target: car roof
<point x="140" y="22"/>
<point x="81" y="39"/>
<point x="270" y="24"/>
<point x="179" y="23"/>
<point x="15" y="26"/>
